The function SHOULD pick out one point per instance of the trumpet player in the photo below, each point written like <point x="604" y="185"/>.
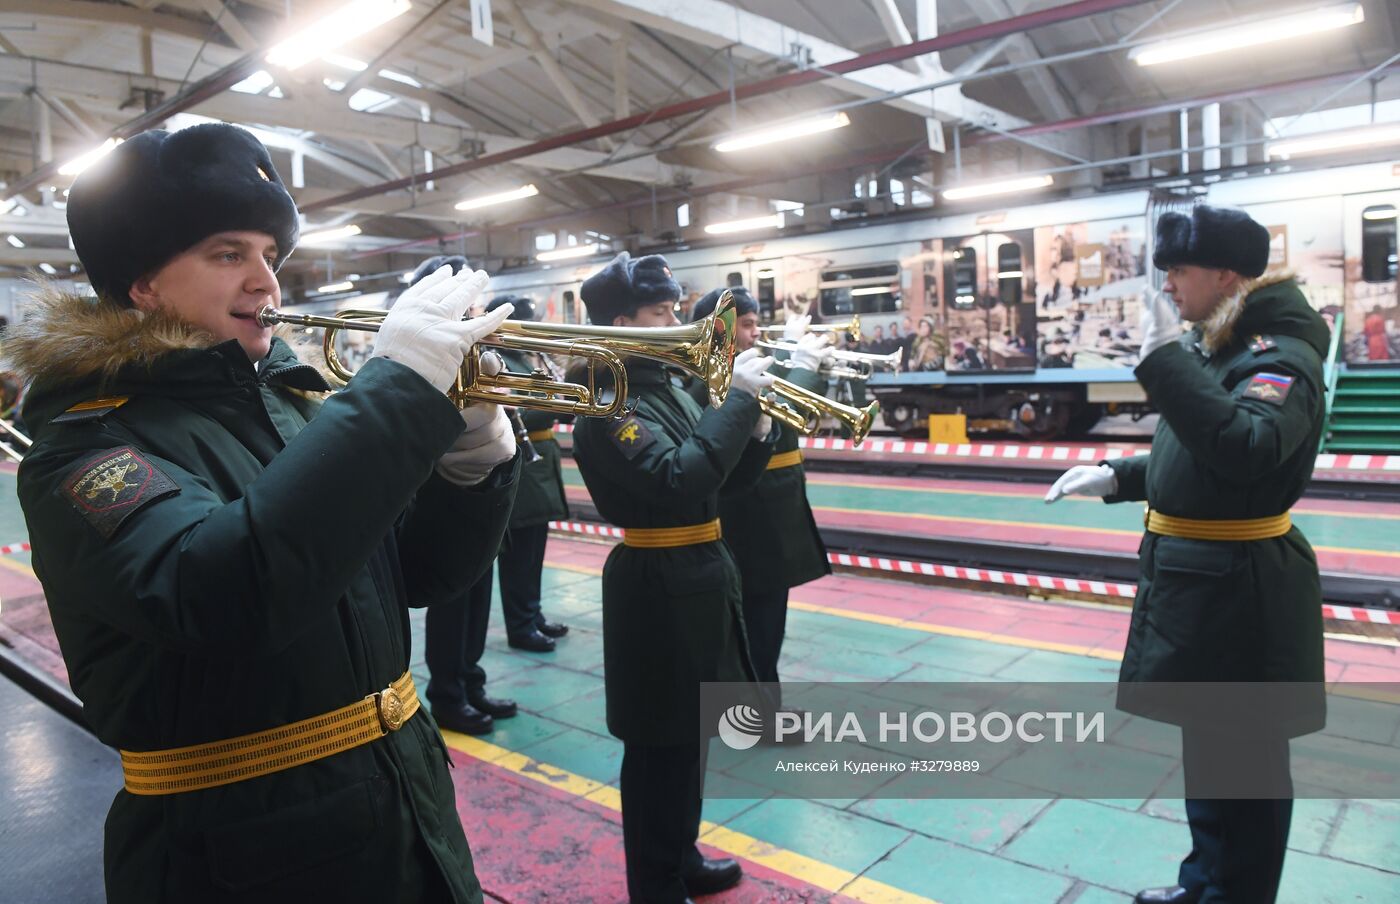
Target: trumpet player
<point x="672" y="615"/>
<point x="770" y="527"/>
<point x="228" y="562"/>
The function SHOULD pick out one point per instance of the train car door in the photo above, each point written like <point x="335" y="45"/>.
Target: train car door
<point x="765" y="283"/>
<point x="988" y="296"/>
<point x="1371" y="230"/>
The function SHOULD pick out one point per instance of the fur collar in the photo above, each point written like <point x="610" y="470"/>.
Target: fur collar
<point x="66" y="338"/>
<point x="1218" y="329"/>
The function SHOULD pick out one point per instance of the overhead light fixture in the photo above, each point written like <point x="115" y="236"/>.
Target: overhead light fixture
<point x="1005" y="186"/>
<point x="872" y="290"/>
<point x="329" y="235"/>
<point x="336" y="287"/>
<point x="400" y="77"/>
<point x="796" y="129"/>
<point x="1335" y="141"/>
<point x="345" y="24"/>
<point x="254" y="84"/>
<point x="15" y="240"/>
<point x="515" y="194"/>
<point x="49" y="269"/>
<point x="8" y="205"/>
<point x="1249" y="34"/>
<point x="563" y="254"/>
<point x="83" y="161"/>
<point x="772" y="221"/>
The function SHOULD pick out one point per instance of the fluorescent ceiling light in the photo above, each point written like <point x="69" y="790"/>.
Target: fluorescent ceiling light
<point x="1006" y="186"/>
<point x="563" y="254"/>
<point x="48" y="268"/>
<point x="9" y="204"/>
<point x="367" y="99"/>
<point x="872" y="290"/>
<point x="345" y="62"/>
<point x="1249" y="34"/>
<point x="82" y="162"/>
<point x="773" y="221"/>
<point x="329" y="235"/>
<point x="781" y="133"/>
<point x="515" y="194"/>
<point x="336" y="287"/>
<point x="254" y="84"/>
<point x="1385" y="213"/>
<point x="400" y="77"/>
<point x="15" y="240"/>
<point x="1335" y="141"/>
<point x="345" y="24"/>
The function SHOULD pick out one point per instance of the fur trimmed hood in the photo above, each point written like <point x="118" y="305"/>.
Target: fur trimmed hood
<point x="67" y="338"/>
<point x="1218" y="330"/>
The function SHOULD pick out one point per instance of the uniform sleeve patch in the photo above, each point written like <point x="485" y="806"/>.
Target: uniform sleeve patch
<point x="1271" y="388"/>
<point x="110" y="488"/>
<point x="631" y="436"/>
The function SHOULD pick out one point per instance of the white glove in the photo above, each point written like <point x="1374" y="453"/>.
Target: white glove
<point x="795" y="327"/>
<point x="487" y="442"/>
<point x="424" y="329"/>
<point x="812" y="351"/>
<point x="1084" y="480"/>
<point x="1159" y="322"/>
<point x="751" y="372"/>
<point x="763" y="427"/>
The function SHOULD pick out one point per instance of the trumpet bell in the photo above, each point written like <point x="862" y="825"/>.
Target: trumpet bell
<point x="803" y="410"/>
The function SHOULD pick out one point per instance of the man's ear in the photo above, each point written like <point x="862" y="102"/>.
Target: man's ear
<point x="144" y="295"/>
<point x="1229" y="282"/>
<point x="621" y="320"/>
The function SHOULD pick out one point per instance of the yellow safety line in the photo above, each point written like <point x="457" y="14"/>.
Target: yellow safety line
<point x="790" y="863"/>
<point x="7" y="562"/>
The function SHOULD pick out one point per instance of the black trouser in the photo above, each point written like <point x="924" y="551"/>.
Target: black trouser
<point x="521" y="560"/>
<point x="765" y="621"/>
<point x="454" y="639"/>
<point x="1237" y="845"/>
<point x="660" y="819"/>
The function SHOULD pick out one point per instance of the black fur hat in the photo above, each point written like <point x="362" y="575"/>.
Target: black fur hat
<point x="433" y="264"/>
<point x="162" y="193"/>
<point x="1218" y="237"/>
<point x="743" y="303"/>
<point x="524" y="307"/>
<point x="625" y="285"/>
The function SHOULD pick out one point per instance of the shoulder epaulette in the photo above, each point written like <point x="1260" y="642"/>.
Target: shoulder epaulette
<point x="1261" y="344"/>
<point x="91" y="410"/>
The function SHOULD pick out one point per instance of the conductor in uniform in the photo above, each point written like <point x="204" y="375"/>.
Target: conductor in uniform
<point x="770" y="527"/>
<point x="672" y="615"/>
<point x="229" y="561"/>
<point x="1229" y="590"/>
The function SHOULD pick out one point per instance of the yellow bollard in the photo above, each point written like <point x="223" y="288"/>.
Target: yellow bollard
<point x="947" y="428"/>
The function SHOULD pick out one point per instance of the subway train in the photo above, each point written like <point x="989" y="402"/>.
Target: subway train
<point x="1025" y="320"/>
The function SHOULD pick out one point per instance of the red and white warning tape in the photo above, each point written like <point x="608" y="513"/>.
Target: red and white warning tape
<point x="13" y="548"/>
<point x="1005" y="578"/>
<point x="983" y="575"/>
<point x="1022" y="452"/>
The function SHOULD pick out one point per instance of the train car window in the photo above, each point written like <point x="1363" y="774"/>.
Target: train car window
<point x="960" y="279"/>
<point x="766" y="299"/>
<point x="865" y="289"/>
<point x="1378" y="235"/>
<point x="1009" y="273"/>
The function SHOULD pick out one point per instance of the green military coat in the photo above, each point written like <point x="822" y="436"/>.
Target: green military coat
<point x="540" y="498"/>
<point x="770" y="527"/>
<point x="671" y="617"/>
<point x="1241" y="404"/>
<point x="253" y="566"/>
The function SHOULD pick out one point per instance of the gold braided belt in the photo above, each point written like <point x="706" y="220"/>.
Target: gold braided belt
<point x="539" y="436"/>
<point x="217" y="763"/>
<point x="667" y="537"/>
<point x="1199" y="529"/>
<point x="785" y="460"/>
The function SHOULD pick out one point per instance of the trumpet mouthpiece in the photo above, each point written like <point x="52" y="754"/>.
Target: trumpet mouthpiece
<point x="267" y="316"/>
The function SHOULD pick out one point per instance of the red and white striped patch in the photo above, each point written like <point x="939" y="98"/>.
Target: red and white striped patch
<point x="14" y="548"/>
<point x="984" y="575"/>
<point x="1352" y="613"/>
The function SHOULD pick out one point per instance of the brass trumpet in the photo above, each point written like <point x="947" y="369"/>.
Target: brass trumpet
<point x="704" y="348"/>
<point x="22" y="441"/>
<point x="803" y="410"/>
<point x="851" y="326"/>
<point x="865" y="362"/>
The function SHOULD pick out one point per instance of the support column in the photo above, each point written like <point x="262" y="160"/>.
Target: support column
<point x="1210" y="136"/>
